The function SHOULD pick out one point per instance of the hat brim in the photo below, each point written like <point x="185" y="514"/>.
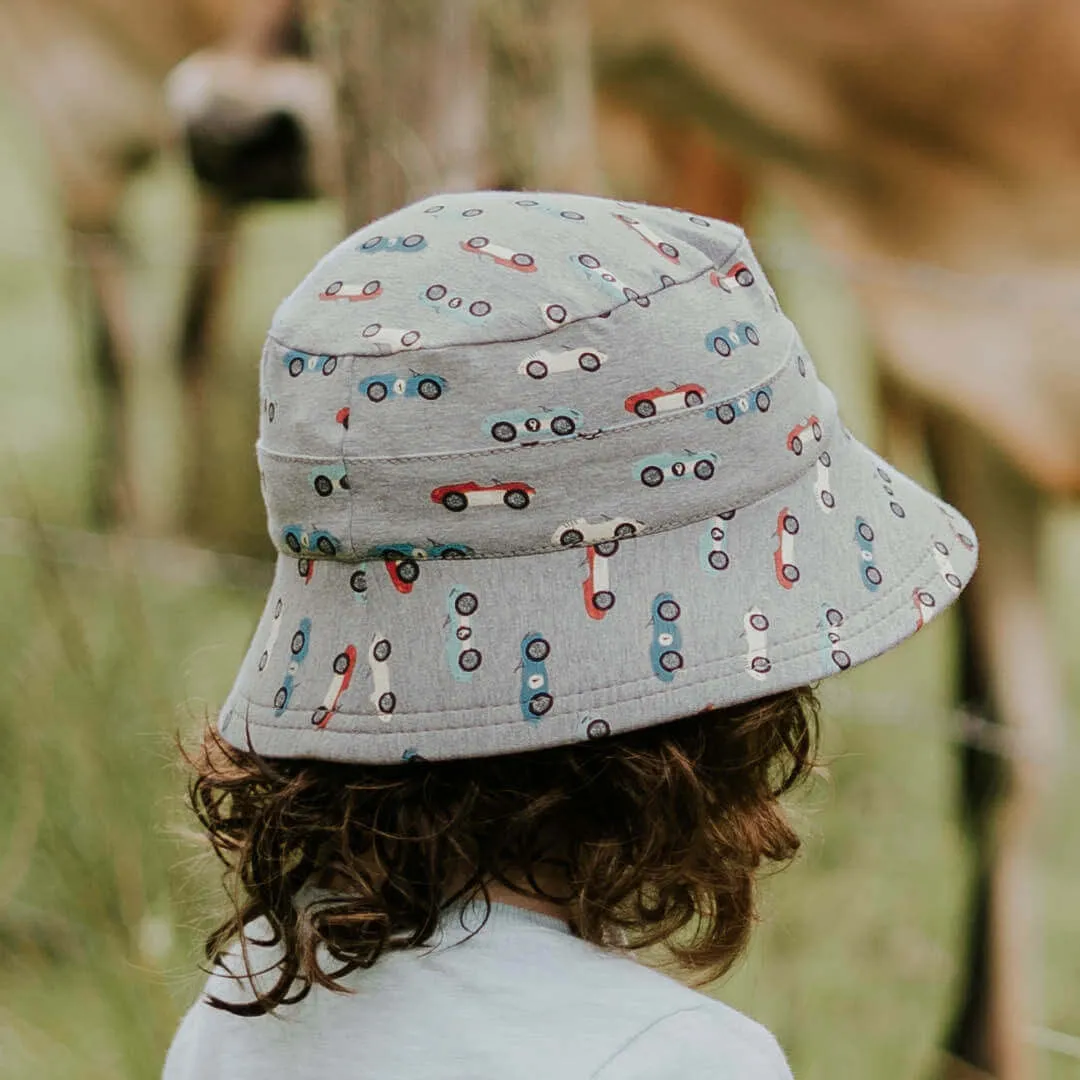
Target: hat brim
<point x="786" y="591"/>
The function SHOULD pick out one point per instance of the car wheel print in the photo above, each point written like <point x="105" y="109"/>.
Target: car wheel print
<point x="281" y="697"/>
<point x="873" y="575"/>
<point x="761" y="664"/>
<point x="319" y="715"/>
<point x="435" y="292"/>
<point x="455" y="501"/>
<point x="410" y="337"/>
<point x="670" y="250"/>
<point x="540" y="703"/>
<point x="292" y="542"/>
<point x="408" y="570"/>
<point x="866" y="532"/>
<point x="472" y="212"/>
<point x="326" y="545"/>
<point x="376" y="391"/>
<point x="387" y="702"/>
<point x="381" y="650"/>
<point x="598" y="729"/>
<point x="744" y="277"/>
<point x="790" y="572"/>
<point x="536" y="369"/>
<point x="323" y="485"/>
<point x="589" y="361"/>
<point x="516" y="499"/>
<point x="262" y="661"/>
<point x="791" y="524"/>
<point x="652" y="476"/>
<point x="330" y="366"/>
<point x="296" y="366"/>
<point x="954" y="581"/>
<point x="721" y="346"/>
<point x="562" y="425"/>
<point x="371" y="242"/>
<point x="645" y="409"/>
<point x="796" y="445"/>
<point x="571" y="215"/>
<point x="759" y="621"/>
<point x="412" y="240"/>
<point x="333" y="288"/>
<point x="428" y="389"/>
<point x="469" y="660"/>
<point x="668" y="610"/>
<point x="466" y="603"/>
<point x="624" y="530"/>
<point x="704" y="469"/>
<point x="725" y="413"/>
<point x="897" y="509"/>
<point x="719" y="560"/>
<point x="555" y="313"/>
<point x="569" y="537"/>
<point x="477" y="243"/>
<point x="671" y="660"/>
<point x="452" y="553"/>
<point x="591" y="262"/>
<point x="522" y="259"/>
<point x="479" y="308"/>
<point x="358" y="581"/>
<point x="504" y="431"/>
<point x="297" y="644"/>
<point x="691" y="399"/>
<point x="816" y="429"/>
<point x="607" y="548"/>
<point x="537" y="650"/>
<point x="763" y="401"/>
<point x="604" y="600"/>
<point x="841" y="659"/>
<point x="752" y="336"/>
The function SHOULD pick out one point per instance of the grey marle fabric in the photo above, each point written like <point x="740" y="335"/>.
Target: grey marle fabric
<point x="546" y="467"/>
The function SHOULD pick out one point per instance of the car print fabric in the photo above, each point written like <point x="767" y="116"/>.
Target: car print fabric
<point x="542" y="468"/>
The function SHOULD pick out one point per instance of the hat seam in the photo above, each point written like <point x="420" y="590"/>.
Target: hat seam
<point x="882" y="607"/>
<point x="392" y="351"/>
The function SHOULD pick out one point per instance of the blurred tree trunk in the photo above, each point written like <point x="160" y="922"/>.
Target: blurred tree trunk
<point x="456" y="94"/>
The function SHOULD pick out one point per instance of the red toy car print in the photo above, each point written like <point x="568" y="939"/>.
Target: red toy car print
<point x="787" y="525"/>
<point x="457" y="497"/>
<point x="599" y="599"/>
<point x="740" y="274"/>
<point x="512" y="260"/>
<point x="925" y="605"/>
<point x="648" y="403"/>
<point x="795" y="436"/>
<point x="338" y="290"/>
<point x="343" y="667"/>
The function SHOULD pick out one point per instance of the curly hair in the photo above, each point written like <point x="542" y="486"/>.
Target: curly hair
<point x="648" y="834"/>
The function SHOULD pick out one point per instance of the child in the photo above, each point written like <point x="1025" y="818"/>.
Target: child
<point x="566" y="526"/>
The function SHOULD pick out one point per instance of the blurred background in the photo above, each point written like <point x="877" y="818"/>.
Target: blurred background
<point x="917" y="213"/>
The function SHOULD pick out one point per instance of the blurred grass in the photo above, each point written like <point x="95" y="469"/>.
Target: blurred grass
<point x="101" y="902"/>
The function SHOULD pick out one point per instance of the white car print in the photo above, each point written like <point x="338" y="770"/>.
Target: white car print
<point x="945" y="567"/>
<point x="382" y="697"/>
<point x="462" y="655"/>
<point x="544" y="362"/>
<point x="271" y="638"/>
<point x="756" y="625"/>
<point x="592" y="269"/>
<point x="823" y="494"/>
<point x="343" y="666"/>
<point x="925" y="606"/>
<point x="656" y="242"/>
<point x="581" y="531"/>
<point x="392" y="337"/>
<point x="512" y="260"/>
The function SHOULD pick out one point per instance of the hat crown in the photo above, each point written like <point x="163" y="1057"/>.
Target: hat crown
<point x="494" y="373"/>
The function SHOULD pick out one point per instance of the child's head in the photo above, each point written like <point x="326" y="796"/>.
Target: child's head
<point x="545" y="472"/>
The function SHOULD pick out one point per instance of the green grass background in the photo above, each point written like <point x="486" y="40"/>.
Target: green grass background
<point x="102" y="899"/>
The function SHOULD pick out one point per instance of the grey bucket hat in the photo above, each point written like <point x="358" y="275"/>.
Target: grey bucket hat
<point x="542" y="468"/>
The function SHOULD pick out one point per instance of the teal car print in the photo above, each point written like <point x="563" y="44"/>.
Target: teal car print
<point x="653" y="470"/>
<point x="868" y="571"/>
<point x="536" y="696"/>
<point x="665" y="651"/>
<point x="724" y="340"/>
<point x="532" y="424"/>
<point x="299" y="647"/>
<point x="412" y="242"/>
<point x="380" y="387"/>
<point x="727" y="412"/>
<point x="323" y="478"/>
<point x="301" y="541"/>
<point x="296" y="363"/>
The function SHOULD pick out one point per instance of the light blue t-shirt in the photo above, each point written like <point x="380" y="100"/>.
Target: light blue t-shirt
<point x="521" y="1000"/>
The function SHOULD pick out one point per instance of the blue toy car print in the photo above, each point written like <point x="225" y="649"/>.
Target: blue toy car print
<point x="724" y="340"/>
<point x="727" y="412"/>
<point x="379" y="387"/>
<point x="302" y="541"/>
<point x="296" y="363"/>
<point x="536" y="696"/>
<point x="665" y="652"/>
<point x="864" y="537"/>
<point x="324" y="477"/>
<point x="412" y="242"/>
<point x="653" y="469"/>
<point x="298" y="649"/>
<point x="532" y="424"/>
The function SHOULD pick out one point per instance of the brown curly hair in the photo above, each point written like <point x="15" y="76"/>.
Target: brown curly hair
<point x="648" y="833"/>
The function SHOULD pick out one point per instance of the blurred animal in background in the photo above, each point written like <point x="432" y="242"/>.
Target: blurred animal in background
<point x="934" y="155"/>
<point x="257" y="121"/>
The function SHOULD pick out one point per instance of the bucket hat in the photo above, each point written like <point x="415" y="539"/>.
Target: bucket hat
<point x="542" y="468"/>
